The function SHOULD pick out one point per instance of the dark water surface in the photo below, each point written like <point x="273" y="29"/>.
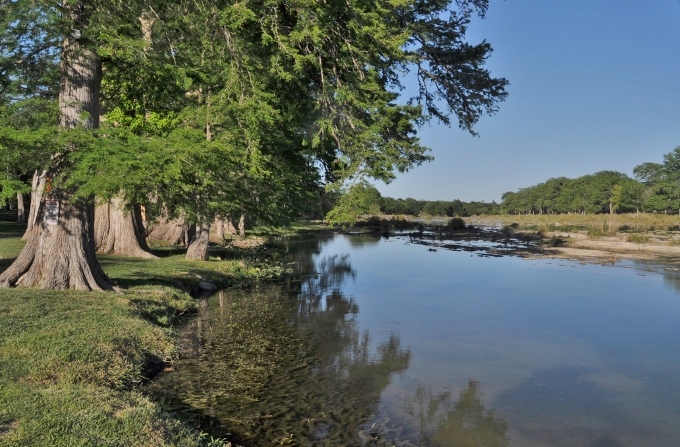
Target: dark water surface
<point x="391" y="343"/>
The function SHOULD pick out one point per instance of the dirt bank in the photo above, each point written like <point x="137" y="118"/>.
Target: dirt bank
<point x="580" y="246"/>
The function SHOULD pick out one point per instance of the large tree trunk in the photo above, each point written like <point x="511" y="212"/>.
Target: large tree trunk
<point x="229" y="227"/>
<point x="175" y="232"/>
<point x="119" y="231"/>
<point x="37" y="188"/>
<point x="198" y="248"/>
<point x="21" y="211"/>
<point x="60" y="251"/>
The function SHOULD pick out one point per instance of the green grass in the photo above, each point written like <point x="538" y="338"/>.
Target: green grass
<point x="10" y="242"/>
<point x="301" y="226"/>
<point x="69" y="365"/>
<point x="638" y="238"/>
<point x="227" y="267"/>
<point x="69" y="415"/>
<point x="70" y="362"/>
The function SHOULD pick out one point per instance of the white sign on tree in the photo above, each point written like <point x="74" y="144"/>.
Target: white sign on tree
<point x="51" y="212"/>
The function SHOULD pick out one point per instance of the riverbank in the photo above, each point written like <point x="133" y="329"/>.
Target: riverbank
<point x="71" y="362"/>
<point x="598" y="238"/>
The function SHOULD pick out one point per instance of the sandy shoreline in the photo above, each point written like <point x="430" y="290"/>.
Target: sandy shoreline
<point x="580" y="246"/>
<point x="566" y="236"/>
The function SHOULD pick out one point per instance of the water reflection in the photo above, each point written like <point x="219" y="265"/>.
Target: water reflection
<point x="363" y="240"/>
<point x="568" y="400"/>
<point x="274" y="367"/>
<point x="581" y="356"/>
<point x="332" y="273"/>
<point x="467" y="424"/>
<point x="671" y="277"/>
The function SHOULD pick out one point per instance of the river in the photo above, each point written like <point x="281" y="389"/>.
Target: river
<point x="399" y="341"/>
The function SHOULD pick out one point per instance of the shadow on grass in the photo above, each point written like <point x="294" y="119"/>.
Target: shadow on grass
<point x="170" y="271"/>
<point x="11" y="230"/>
<point x="169" y="250"/>
<point x="6" y="262"/>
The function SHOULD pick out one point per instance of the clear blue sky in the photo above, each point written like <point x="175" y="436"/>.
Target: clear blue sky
<point x="594" y="85"/>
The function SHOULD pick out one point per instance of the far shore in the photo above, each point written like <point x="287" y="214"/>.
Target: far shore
<point x="599" y="238"/>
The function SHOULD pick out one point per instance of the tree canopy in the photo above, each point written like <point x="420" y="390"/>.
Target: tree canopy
<point x="656" y="188"/>
<point x="271" y="86"/>
<point x="215" y="108"/>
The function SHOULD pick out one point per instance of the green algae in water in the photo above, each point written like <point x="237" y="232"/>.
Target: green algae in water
<point x="265" y="368"/>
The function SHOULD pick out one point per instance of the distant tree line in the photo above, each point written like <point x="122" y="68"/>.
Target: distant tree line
<point x="452" y="208"/>
<point x="365" y="199"/>
<point x="655" y="189"/>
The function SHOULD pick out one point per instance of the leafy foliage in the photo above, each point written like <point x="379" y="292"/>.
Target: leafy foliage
<point x="603" y="192"/>
<point x="223" y="108"/>
<point x="437" y="207"/>
<point x="358" y="199"/>
<point x="656" y="189"/>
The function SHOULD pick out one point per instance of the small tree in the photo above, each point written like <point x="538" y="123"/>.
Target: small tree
<point x="359" y="199"/>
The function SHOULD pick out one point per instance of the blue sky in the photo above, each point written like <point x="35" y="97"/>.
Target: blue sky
<point x="594" y="85"/>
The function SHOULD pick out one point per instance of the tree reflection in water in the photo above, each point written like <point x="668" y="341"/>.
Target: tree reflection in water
<point x="467" y="424"/>
<point x="277" y="368"/>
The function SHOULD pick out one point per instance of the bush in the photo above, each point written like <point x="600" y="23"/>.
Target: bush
<point x="638" y="238"/>
<point x="456" y="224"/>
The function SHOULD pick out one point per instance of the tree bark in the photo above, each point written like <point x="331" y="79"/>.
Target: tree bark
<point x="175" y="232"/>
<point x="60" y="251"/>
<point x="219" y="230"/>
<point x="198" y="247"/>
<point x="119" y="231"/>
<point x="59" y="255"/>
<point x="21" y="211"/>
<point x="242" y="225"/>
<point x="37" y="188"/>
<point x="229" y="227"/>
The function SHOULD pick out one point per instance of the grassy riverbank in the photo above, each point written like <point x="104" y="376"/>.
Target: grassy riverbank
<point x="70" y="362"/>
<point x="602" y="223"/>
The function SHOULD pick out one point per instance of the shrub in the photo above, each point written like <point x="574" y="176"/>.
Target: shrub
<point x="638" y="238"/>
<point x="456" y="224"/>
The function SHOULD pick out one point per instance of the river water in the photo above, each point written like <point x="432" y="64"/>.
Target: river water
<point x="395" y="342"/>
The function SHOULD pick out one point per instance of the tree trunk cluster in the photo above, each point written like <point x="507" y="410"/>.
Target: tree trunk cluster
<point x="120" y="231"/>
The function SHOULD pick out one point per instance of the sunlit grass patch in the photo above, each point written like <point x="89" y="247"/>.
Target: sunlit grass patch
<point x="73" y="415"/>
<point x="67" y="337"/>
<point x="10" y="242"/>
<point x="605" y="228"/>
<point x="613" y="222"/>
<point x="637" y="238"/>
<point x="69" y="363"/>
